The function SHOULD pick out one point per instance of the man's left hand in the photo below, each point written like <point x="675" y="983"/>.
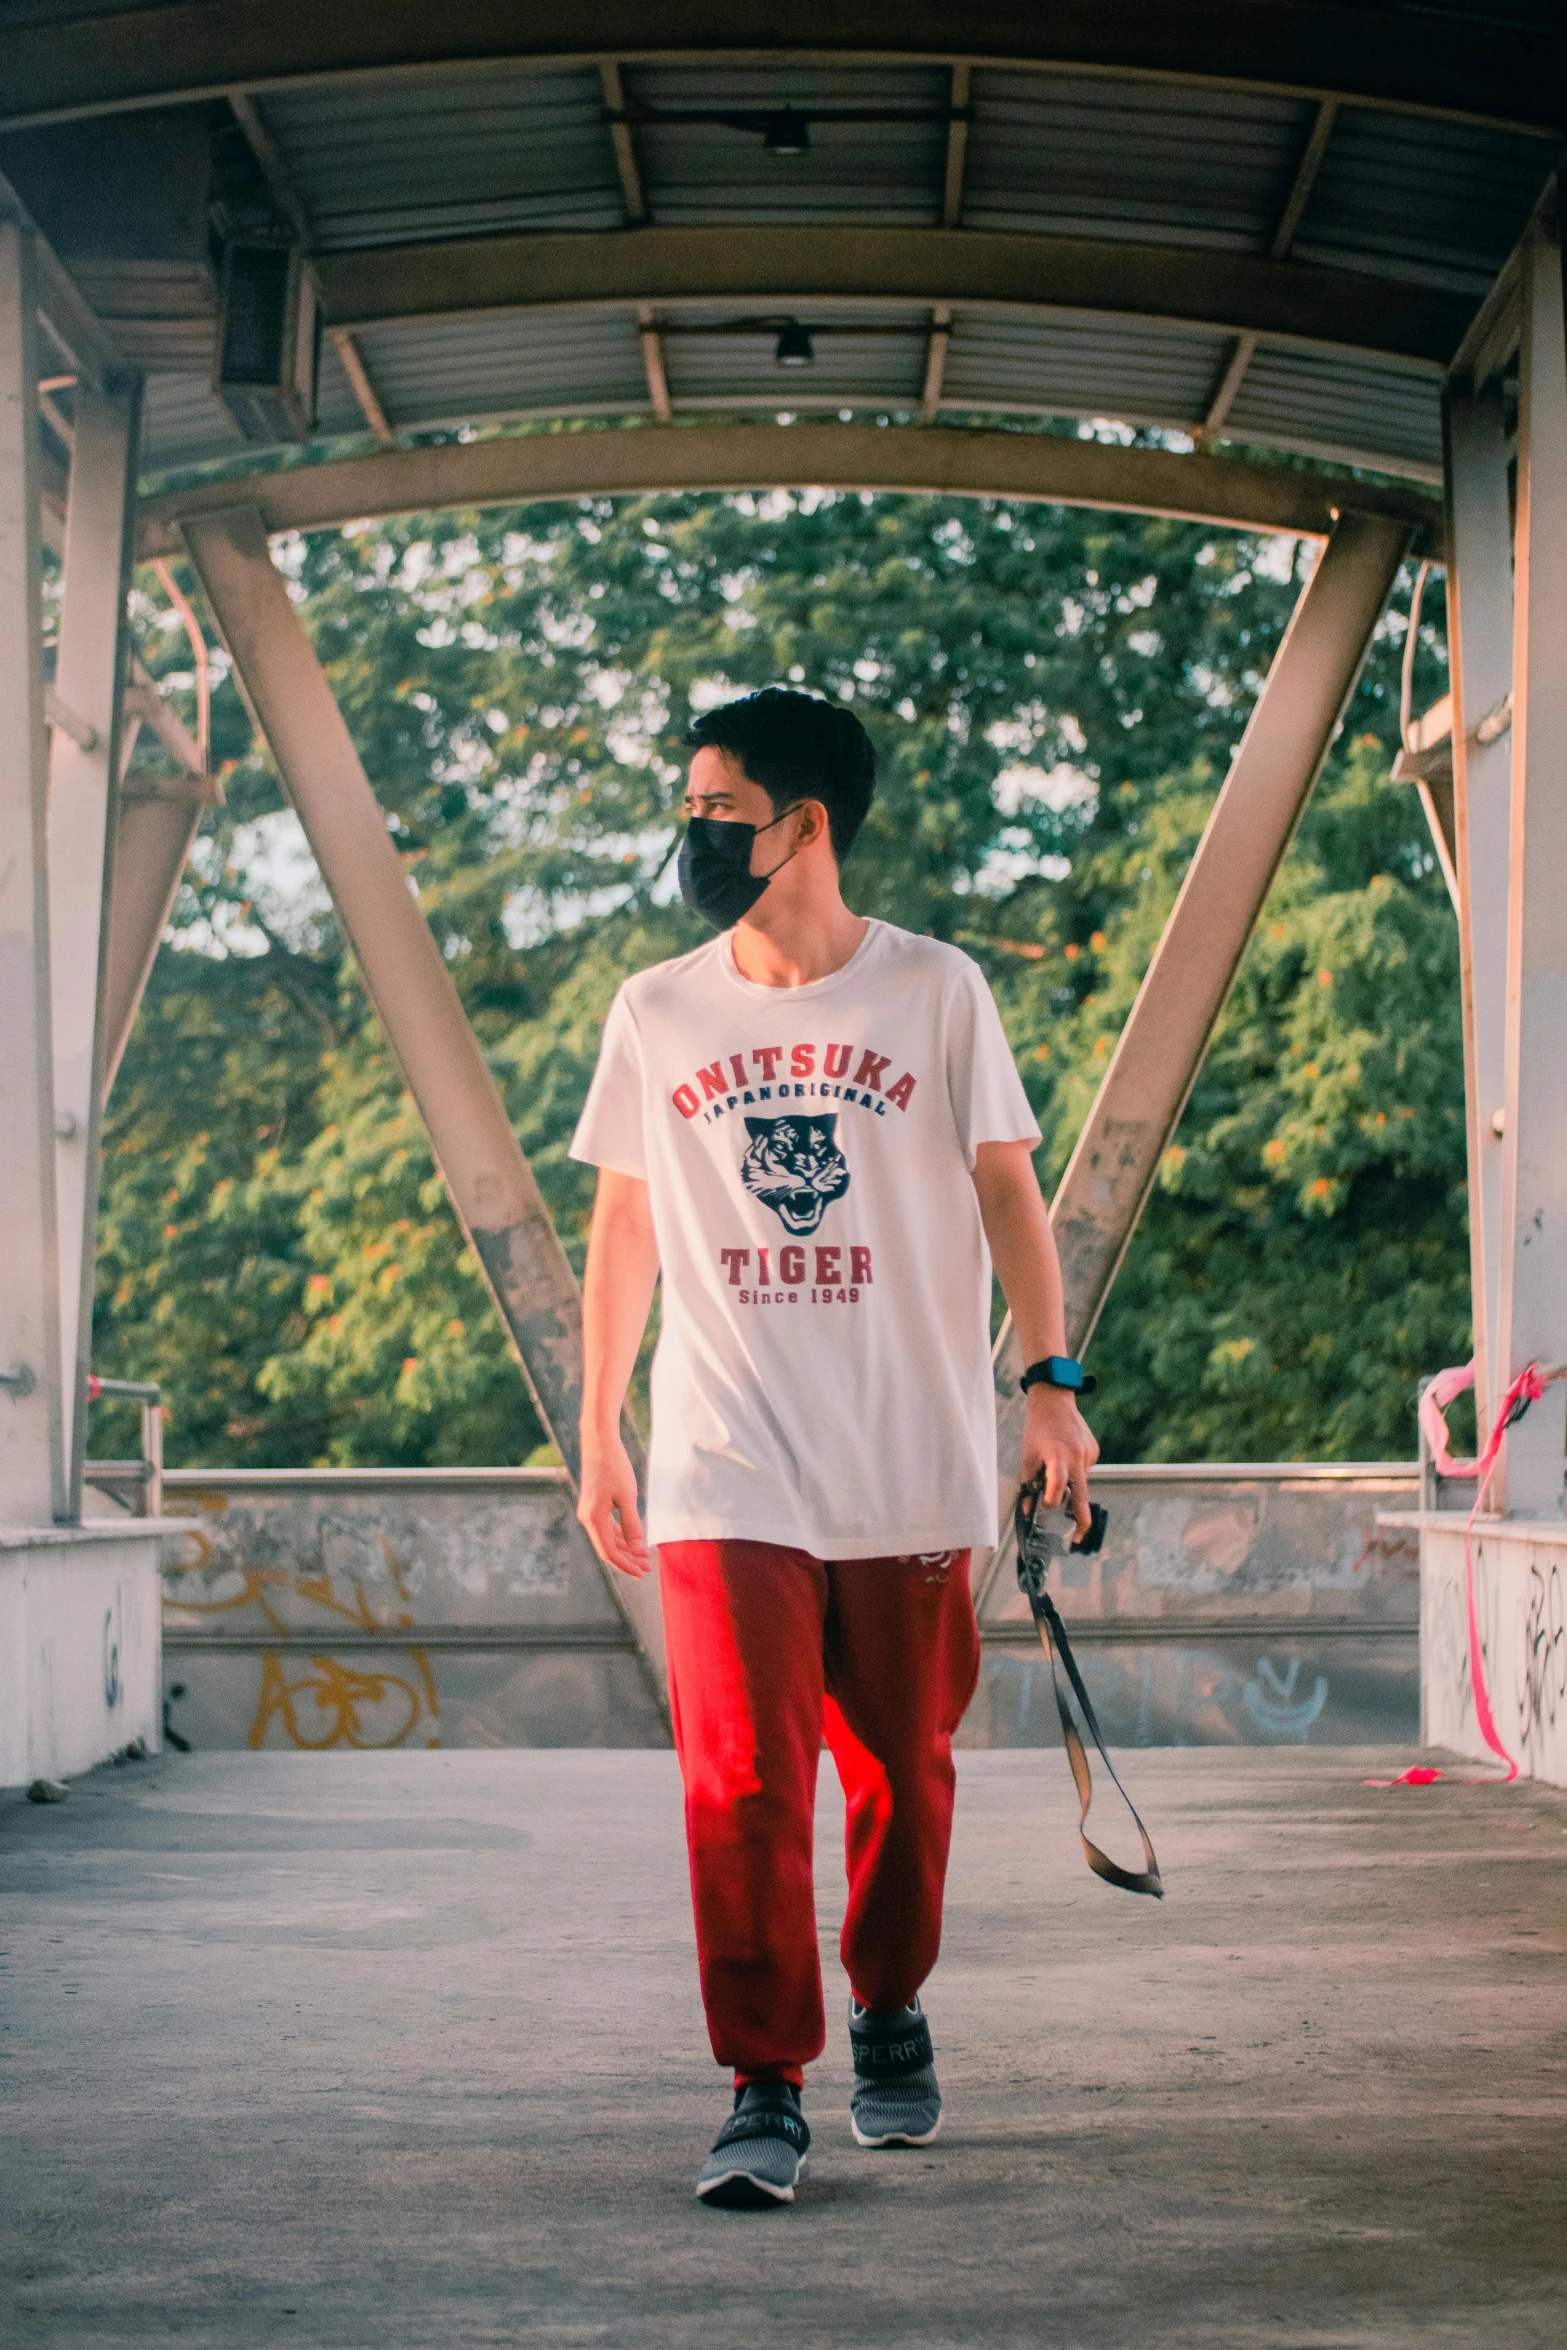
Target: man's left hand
<point x="1057" y="1439"/>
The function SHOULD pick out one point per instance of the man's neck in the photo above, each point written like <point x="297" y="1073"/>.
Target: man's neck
<point x="804" y="935"/>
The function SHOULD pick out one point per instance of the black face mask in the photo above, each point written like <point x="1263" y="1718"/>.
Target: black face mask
<point x="714" y="870"/>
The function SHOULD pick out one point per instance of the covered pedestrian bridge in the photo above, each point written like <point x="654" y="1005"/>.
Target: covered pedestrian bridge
<point x="1277" y="266"/>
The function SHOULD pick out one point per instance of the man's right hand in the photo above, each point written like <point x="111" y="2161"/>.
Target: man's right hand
<point x="607" y="1507"/>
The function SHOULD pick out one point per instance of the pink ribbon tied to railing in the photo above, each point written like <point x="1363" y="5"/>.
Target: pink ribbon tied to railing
<point x="1526" y="1389"/>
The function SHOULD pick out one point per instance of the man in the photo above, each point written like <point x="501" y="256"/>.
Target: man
<point x="814" y="1129"/>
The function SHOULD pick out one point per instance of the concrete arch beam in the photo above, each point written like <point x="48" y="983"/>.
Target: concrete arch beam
<point x="1051" y="468"/>
<point x="768" y="266"/>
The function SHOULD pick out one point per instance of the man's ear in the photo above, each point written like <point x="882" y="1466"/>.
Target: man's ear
<point x="816" y="813"/>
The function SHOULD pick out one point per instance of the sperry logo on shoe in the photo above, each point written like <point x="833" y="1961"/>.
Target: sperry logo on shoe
<point x="892" y="2056"/>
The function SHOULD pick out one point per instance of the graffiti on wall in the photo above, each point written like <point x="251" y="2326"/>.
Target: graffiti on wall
<point x="314" y="1699"/>
<point x="1271" y="1701"/>
<point x="1175" y="1694"/>
<point x="324" y="1701"/>
<point x="1543" y="1678"/>
<point x="1520" y="1601"/>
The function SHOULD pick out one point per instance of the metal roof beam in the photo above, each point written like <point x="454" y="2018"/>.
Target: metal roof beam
<point x="957" y="147"/>
<point x="351" y="360"/>
<point x="1279" y="245"/>
<point x="1304" y="181"/>
<point x="186" y="49"/>
<point x="653" y="363"/>
<point x="627" y="161"/>
<point x="1050" y="467"/>
<point x="275" y="168"/>
<point x="1228" y="292"/>
<point x="935" y="361"/>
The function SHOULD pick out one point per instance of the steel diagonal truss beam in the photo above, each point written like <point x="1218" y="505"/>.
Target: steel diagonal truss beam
<point x="189" y="49"/>
<point x="1052" y="467"/>
<point x="1156" y="1062"/>
<point x="160" y="816"/>
<point x="490" y="1183"/>
<point x="1232" y="293"/>
<point x="1161" y="1048"/>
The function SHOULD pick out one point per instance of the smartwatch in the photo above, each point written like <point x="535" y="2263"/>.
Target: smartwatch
<point x="1058" y="1371"/>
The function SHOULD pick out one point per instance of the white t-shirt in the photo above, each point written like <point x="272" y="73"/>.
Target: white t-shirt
<point x="822" y="1378"/>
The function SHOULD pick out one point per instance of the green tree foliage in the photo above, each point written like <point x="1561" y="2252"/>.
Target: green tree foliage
<point x="1054" y="698"/>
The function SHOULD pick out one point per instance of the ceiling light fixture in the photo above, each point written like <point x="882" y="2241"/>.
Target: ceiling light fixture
<point x="795" y="347"/>
<point x="787" y="134"/>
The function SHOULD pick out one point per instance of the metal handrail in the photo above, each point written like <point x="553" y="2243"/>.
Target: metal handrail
<point x="146" y="1474"/>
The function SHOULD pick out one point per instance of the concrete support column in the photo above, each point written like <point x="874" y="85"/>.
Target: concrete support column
<point x="1480" y="654"/>
<point x="1531" y="1320"/>
<point x="491" y="1185"/>
<point x="84" y="770"/>
<point x="32" y="1479"/>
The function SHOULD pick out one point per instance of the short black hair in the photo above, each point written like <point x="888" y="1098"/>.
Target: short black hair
<point x="797" y="747"/>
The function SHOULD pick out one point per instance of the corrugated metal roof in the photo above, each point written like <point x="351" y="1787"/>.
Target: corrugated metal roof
<point x="1440" y="203"/>
<point x="160" y="313"/>
<point x="1100" y="367"/>
<point x="402" y="159"/>
<point x="887" y="172"/>
<point x="183" y="422"/>
<point x="1095" y="156"/>
<point x="505" y="363"/>
<point x="1367" y="413"/>
<point x="479" y="151"/>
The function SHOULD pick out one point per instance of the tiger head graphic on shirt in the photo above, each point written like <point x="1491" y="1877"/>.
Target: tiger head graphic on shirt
<point x="794" y="1167"/>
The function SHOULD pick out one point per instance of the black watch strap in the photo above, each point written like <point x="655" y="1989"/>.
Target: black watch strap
<point x="1058" y="1371"/>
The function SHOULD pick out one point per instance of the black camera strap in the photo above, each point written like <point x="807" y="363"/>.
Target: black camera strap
<point x="1033" y="1565"/>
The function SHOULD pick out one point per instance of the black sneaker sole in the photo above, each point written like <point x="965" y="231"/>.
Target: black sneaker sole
<point x="740" y="2190"/>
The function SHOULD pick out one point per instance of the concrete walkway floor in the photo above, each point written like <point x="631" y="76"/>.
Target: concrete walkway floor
<point x="404" y="2051"/>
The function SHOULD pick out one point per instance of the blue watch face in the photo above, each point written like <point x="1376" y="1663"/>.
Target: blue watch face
<point x="1065" y="1371"/>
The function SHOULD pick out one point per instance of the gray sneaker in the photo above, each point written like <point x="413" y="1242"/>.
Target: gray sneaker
<point x="896" y="2101"/>
<point x="759" y="2154"/>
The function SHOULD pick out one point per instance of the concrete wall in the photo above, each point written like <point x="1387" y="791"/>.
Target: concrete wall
<point x="1520" y="1592"/>
<point x="80" y="1650"/>
<point x="393" y="1608"/>
<point x="1253" y="1606"/>
<point x="1248" y="1606"/>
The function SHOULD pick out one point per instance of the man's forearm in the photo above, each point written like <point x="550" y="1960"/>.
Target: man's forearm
<point x="1058" y="1444"/>
<point x="1022" y="1248"/>
<point x="617" y="1294"/>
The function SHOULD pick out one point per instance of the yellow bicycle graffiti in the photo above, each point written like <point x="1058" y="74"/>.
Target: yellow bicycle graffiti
<point x="341" y="1696"/>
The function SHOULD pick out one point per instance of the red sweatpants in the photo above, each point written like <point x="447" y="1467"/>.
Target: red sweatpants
<point x="769" y="1648"/>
